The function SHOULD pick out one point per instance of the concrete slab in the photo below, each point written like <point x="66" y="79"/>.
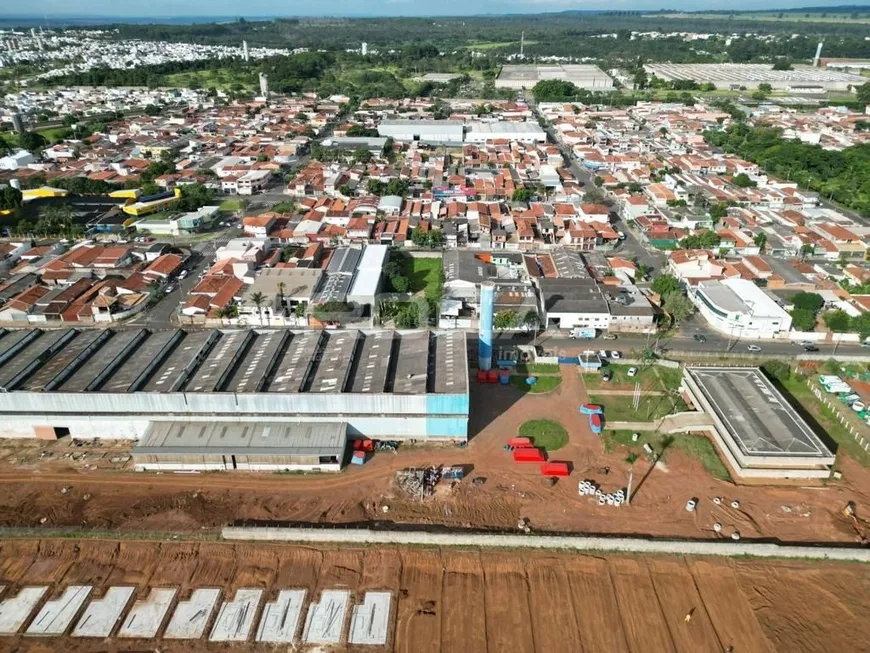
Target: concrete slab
<point x="234" y="621"/>
<point x="15" y="609"/>
<point x="98" y="619"/>
<point x="370" y="622"/>
<point x="325" y="621"/>
<point x="191" y="617"/>
<point x="147" y="615"/>
<point x="56" y="615"/>
<point x="281" y="618"/>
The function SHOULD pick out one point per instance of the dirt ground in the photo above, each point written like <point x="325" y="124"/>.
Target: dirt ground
<point x="52" y="491"/>
<point x="479" y="601"/>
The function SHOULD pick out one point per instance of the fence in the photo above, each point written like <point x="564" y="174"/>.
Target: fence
<point x="863" y="442"/>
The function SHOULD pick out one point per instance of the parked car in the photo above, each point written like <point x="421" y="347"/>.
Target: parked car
<point x="606" y="375"/>
<point x="810" y="348"/>
<point x="699" y="337"/>
<point x="615" y="355"/>
<point x="612" y="336"/>
<point x="753" y="348"/>
<point x="865" y="344"/>
<point x="632" y="371"/>
<point x="171" y="288"/>
<point x="182" y="274"/>
<point x="602" y="353"/>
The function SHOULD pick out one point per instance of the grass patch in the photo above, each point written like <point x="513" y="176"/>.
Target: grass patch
<point x="55" y="134"/>
<point x="545" y="433"/>
<point x="826" y="418"/>
<point x="697" y="446"/>
<point x="423" y="274"/>
<point x="543" y="385"/>
<point x="231" y="205"/>
<point x="650" y="377"/>
<point x="222" y="78"/>
<point x="537" y="368"/>
<point x="619" y="408"/>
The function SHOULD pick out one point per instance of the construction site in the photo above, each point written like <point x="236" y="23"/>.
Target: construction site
<point x="128" y="595"/>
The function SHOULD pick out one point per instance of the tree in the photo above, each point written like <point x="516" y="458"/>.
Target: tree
<point x="635" y="187"/>
<point x="640" y="78"/>
<point x="362" y="155"/>
<point x="193" y="196"/>
<point x="764" y="87"/>
<point x="10" y="198"/>
<point x="760" y="240"/>
<point x="779" y="370"/>
<point x="257" y="300"/>
<point x="861" y="324"/>
<point x="863" y="93"/>
<point x="152" y="110"/>
<point x="400" y="283"/>
<point x="375" y="187"/>
<point x="809" y="301"/>
<point x="743" y="181"/>
<point x="31" y="141"/>
<point x="665" y="284"/>
<point x="837" y="321"/>
<point x="598" y="181"/>
<point x="782" y="63"/>
<point x="504" y="320"/>
<point x="521" y="194"/>
<point x="678" y="305"/>
<point x="803" y="319"/>
<point x="807" y="250"/>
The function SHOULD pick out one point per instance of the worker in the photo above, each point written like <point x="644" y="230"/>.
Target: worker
<point x="688" y="616"/>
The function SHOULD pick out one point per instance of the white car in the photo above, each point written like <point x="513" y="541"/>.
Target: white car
<point x="615" y="355"/>
<point x="602" y="354"/>
<point x="182" y="274"/>
<point x="753" y="348"/>
<point x="632" y="371"/>
<point x="171" y="288"/>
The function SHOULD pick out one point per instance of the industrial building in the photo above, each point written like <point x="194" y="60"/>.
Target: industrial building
<point x="757" y="432"/>
<point x="522" y="132"/>
<point x="424" y="131"/>
<point x="740" y="309"/>
<point x="583" y="76"/>
<point x="735" y="76"/>
<point x="123" y="384"/>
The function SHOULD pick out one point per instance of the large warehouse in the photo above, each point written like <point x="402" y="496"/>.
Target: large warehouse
<point x="733" y="76"/>
<point x="584" y="76"/>
<point x="123" y="383"/>
<point x="756" y="430"/>
<point x="447" y="132"/>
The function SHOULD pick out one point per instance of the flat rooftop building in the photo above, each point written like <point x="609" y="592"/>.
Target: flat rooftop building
<point x="727" y="76"/>
<point x="119" y="383"/>
<point x="581" y="75"/>
<point x="756" y="430"/>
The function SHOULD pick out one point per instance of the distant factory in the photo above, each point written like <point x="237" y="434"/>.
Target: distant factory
<point x="737" y="76"/>
<point x="584" y="76"/>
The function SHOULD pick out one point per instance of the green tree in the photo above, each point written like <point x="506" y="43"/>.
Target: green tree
<point x="760" y="240"/>
<point x="779" y="370"/>
<point x="678" y="305"/>
<point x="665" y="284"/>
<point x="152" y="110"/>
<point x="521" y="194"/>
<point x="782" y="63"/>
<point x="10" y="198"/>
<point x="257" y="299"/>
<point x="807" y="250"/>
<point x="837" y="321"/>
<point x="742" y="180"/>
<point x="504" y="320"/>
<point x="810" y="301"/>
<point x="803" y="319"/>
<point x="598" y="181"/>
<point x="31" y="141"/>
<point x="376" y="187"/>
<point x="862" y="93"/>
<point x="400" y="283"/>
<point x="861" y="324"/>
<point x="764" y="87"/>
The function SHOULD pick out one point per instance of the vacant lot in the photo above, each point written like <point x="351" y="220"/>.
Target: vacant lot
<point x="478" y="600"/>
<point x="424" y="274"/>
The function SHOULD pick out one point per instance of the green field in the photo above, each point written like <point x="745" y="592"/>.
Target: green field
<point x="231" y="205"/>
<point x="619" y="408"/>
<point x="545" y="433"/>
<point x="698" y="446"/>
<point x="544" y="384"/>
<point x="222" y="78"/>
<point x="650" y="377"/>
<point x="424" y="274"/>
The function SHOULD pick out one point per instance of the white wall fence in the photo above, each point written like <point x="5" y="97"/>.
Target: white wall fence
<point x="857" y="435"/>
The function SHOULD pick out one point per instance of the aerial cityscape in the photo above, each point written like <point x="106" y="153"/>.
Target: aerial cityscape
<point x="492" y="331"/>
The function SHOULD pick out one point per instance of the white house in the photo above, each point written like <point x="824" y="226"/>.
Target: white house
<point x="740" y="309"/>
<point x="17" y="160"/>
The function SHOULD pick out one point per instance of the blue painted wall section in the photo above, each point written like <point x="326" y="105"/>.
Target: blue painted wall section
<point x="447" y="416"/>
<point x="487" y="302"/>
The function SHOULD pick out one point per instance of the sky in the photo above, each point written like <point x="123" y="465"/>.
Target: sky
<point x="255" y="8"/>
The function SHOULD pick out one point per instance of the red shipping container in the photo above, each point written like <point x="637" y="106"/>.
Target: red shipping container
<point x="519" y="443"/>
<point x="555" y="469"/>
<point x="528" y="455"/>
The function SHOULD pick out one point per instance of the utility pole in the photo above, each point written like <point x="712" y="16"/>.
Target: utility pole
<point x="628" y="489"/>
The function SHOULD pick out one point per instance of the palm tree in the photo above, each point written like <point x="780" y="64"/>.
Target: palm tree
<point x="281" y="287"/>
<point x="257" y="300"/>
<point x="532" y="321"/>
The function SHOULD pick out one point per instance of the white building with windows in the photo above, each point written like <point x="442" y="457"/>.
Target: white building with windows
<point x="740" y="309"/>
